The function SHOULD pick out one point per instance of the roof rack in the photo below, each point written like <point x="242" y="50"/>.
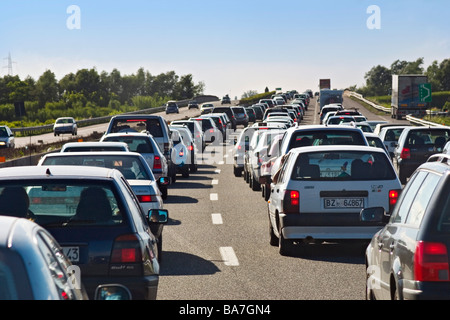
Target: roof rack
<point x="439" y="157"/>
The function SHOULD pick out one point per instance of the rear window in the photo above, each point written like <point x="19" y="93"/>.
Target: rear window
<point x="238" y="110"/>
<point x="342" y="165"/>
<point x="335" y="137"/>
<point x="435" y="138"/>
<point x="63" y="203"/>
<point x="135" y="144"/>
<point x="152" y="125"/>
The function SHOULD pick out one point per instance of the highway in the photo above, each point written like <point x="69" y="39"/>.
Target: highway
<point x="216" y="244"/>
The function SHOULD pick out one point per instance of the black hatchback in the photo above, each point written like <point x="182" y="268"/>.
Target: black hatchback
<point x="415" y="145"/>
<point x="409" y="257"/>
<point x="94" y="215"/>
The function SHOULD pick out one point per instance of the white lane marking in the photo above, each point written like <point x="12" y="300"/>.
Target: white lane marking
<point x="214" y="197"/>
<point x="221" y="162"/>
<point x="216" y="218"/>
<point x="228" y="256"/>
<point x="217" y="171"/>
<point x="215" y="181"/>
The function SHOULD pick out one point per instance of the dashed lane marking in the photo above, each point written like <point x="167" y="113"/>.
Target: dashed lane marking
<point x="228" y="256"/>
<point x="216" y="218"/>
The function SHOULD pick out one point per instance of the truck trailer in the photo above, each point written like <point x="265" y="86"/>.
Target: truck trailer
<point x="405" y="96"/>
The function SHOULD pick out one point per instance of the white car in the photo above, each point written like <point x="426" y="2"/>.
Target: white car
<point x="148" y="147"/>
<point x="181" y="156"/>
<point x="131" y="164"/>
<point x="65" y="125"/>
<point x="319" y="191"/>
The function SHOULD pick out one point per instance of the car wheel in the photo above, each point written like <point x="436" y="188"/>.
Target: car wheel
<point x="193" y="167"/>
<point x="256" y="186"/>
<point x="159" y="246"/>
<point x="274" y="241"/>
<point x="237" y="172"/>
<point x="185" y="173"/>
<point x="163" y="192"/>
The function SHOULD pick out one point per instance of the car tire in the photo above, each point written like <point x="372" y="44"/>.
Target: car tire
<point x="274" y="241"/>
<point x="163" y="192"/>
<point x="185" y="173"/>
<point x="237" y="172"/>
<point x="256" y="186"/>
<point x="193" y="167"/>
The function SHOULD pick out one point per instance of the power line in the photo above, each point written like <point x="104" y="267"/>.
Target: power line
<point x="10" y="64"/>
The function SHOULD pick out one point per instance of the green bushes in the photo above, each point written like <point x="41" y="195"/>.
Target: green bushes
<point x="255" y="99"/>
<point x="439" y="99"/>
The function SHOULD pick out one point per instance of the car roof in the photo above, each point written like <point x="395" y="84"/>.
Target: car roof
<point x="325" y="148"/>
<point x="7" y="228"/>
<point x="50" y="172"/>
<point x="128" y="133"/>
<point x="94" y="153"/>
<point x="323" y="127"/>
<point x="93" y="144"/>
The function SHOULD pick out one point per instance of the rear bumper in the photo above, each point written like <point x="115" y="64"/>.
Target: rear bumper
<point x="330" y="233"/>
<point x="327" y="227"/>
<point x="141" y="288"/>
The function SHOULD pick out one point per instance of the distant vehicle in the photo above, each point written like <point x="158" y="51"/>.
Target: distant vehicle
<point x="339" y="119"/>
<point x="193" y="105"/>
<point x="226" y="100"/>
<point x="409" y="258"/>
<point x="375" y="141"/>
<point x="328" y="96"/>
<point x="240" y="115"/>
<point x="389" y="135"/>
<point x="181" y="157"/>
<point x="230" y="113"/>
<point x="405" y="96"/>
<point x="268" y="101"/>
<point x="206" y="107"/>
<point x="319" y="191"/>
<point x="6" y="137"/>
<point x="65" y="125"/>
<point x="94" y="146"/>
<point x="172" y="107"/>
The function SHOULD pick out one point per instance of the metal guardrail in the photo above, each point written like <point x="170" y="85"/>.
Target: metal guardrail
<point x="376" y="106"/>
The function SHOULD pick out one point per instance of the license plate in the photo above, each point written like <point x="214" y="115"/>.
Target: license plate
<point x="72" y="253"/>
<point x="331" y="203"/>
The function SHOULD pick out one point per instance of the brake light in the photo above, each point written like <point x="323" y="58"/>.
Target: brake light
<point x="393" y="197"/>
<point x="146" y="198"/>
<point x="126" y="249"/>
<point x="291" y="201"/>
<point x="191" y="148"/>
<point x="405" y="154"/>
<point x="431" y="262"/>
<point x="157" y="163"/>
<point x="181" y="153"/>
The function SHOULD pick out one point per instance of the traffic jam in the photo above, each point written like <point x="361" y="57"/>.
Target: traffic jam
<point x="96" y="211"/>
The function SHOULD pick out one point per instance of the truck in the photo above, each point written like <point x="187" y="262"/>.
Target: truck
<point x="328" y="96"/>
<point x="324" y="84"/>
<point x="405" y="98"/>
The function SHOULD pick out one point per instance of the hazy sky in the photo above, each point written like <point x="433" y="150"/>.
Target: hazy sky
<point x="232" y="46"/>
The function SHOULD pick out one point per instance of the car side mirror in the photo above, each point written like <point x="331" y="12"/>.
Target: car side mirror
<point x="112" y="292"/>
<point x="164" y="181"/>
<point x="374" y="214"/>
<point x="158" y="215"/>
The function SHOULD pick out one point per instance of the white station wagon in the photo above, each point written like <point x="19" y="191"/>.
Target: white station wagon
<point x="319" y="192"/>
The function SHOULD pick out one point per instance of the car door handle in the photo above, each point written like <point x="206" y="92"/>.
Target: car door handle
<point x="380" y="245"/>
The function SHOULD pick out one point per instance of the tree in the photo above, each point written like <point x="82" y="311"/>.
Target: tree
<point x="378" y="81"/>
<point x="47" y="88"/>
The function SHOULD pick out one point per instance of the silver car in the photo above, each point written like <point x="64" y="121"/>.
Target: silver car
<point x="6" y="137"/>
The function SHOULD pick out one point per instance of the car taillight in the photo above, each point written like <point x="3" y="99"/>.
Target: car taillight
<point x="406" y="153"/>
<point x="146" y="198"/>
<point x="126" y="249"/>
<point x="181" y="153"/>
<point x="431" y="262"/>
<point x="291" y="201"/>
<point x="157" y="163"/>
<point x="191" y="147"/>
<point x="393" y="197"/>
